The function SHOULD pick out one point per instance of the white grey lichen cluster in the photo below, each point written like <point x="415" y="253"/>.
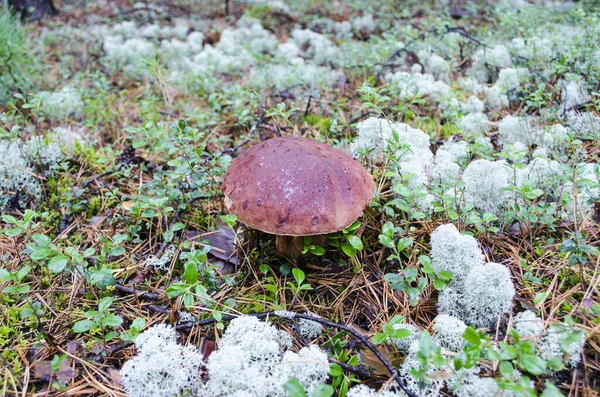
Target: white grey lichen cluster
<point x="548" y="342"/>
<point x="250" y="349"/>
<point x="573" y="93"/>
<point x="480" y="292"/>
<point x="366" y="391"/>
<point x="161" y="367"/>
<point x="62" y="104"/>
<point x="484" y="181"/>
<point x="249" y="362"/>
<point x="411" y="84"/>
<point x="448" y="332"/>
<point x="309" y="329"/>
<point x="19" y="179"/>
<point x="516" y="129"/>
<point x="584" y="124"/>
<point x="454" y="252"/>
<point x="161" y="264"/>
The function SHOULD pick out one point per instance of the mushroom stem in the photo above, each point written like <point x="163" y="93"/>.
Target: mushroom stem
<point x="289" y="246"/>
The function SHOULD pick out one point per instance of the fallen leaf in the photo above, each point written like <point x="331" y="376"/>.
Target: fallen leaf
<point x="370" y="360"/>
<point x="221" y="241"/>
<point x="97" y="220"/>
<point x="207" y="349"/>
<point x="115" y="377"/>
<point x="128" y="205"/>
<point x="42" y="370"/>
<point x="73" y="347"/>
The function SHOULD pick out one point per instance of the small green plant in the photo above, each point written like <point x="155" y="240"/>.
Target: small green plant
<point x="280" y="114"/>
<point x="313" y="249"/>
<point x="372" y="98"/>
<point x="299" y="285"/>
<point x="134" y="330"/>
<point x="100" y="320"/>
<point x="389" y="332"/>
<point x="347" y="240"/>
<point x="17" y="287"/>
<point x="19" y="226"/>
<point x="295" y="389"/>
<point x="57" y="259"/>
<point x="191" y="286"/>
<point x="339" y="379"/>
<point x="407" y="281"/>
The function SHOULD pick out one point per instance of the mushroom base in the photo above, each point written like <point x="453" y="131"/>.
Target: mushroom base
<point x="291" y="246"/>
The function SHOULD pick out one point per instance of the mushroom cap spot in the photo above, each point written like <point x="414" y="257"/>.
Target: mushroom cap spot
<point x="296" y="187"/>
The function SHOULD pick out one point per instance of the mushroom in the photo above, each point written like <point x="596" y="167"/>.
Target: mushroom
<point x="294" y="187"/>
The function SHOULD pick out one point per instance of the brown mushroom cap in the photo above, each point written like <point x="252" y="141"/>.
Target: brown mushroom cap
<point x="296" y="187"/>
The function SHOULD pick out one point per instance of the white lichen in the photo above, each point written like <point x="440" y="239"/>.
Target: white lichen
<point x="161" y="366"/>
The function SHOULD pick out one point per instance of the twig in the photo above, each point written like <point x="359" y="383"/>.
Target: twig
<point x="354" y="369"/>
<point x="290" y="315"/>
<point x="140" y="294"/>
<point x="102" y="175"/>
<point x="259" y="120"/>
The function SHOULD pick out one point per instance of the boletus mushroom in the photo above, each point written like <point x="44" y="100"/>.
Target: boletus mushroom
<point x="294" y="187"/>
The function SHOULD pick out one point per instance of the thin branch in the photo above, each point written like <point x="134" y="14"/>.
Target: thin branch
<point x="259" y="120"/>
<point x="140" y="294"/>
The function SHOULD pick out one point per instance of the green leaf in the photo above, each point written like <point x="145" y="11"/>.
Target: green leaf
<point x="13" y="232"/>
<point x="377" y="339"/>
<point x="471" y="336"/>
<point x="401" y="333"/>
<point x="439" y="284"/>
<point x="17" y="289"/>
<point x="386" y="241"/>
<point x="188" y="299"/>
<point x="507" y="352"/>
<point x="317" y="250"/>
<point x="117" y="251"/>
<point x="446" y="275"/>
<point x="348" y="249"/>
<point x="112" y="320"/>
<point x="532" y="364"/>
<point x="84" y="326"/>
<point x="355" y="242"/>
<point x="175" y="290"/>
<point x="168" y="236"/>
<point x="4" y="275"/>
<point x="57" y="264"/>
<point x="294" y="388"/>
<point x="335" y="370"/>
<point x="41" y="239"/>
<point x="190" y="274"/>
<point x="10" y="219"/>
<point x="556" y="364"/>
<point x="298" y="275"/>
<point x="138" y="324"/>
<point x="41" y="253"/>
<point x="410" y="274"/>
<point x="551" y="391"/>
<point x="344" y="387"/>
<point x="178" y="226"/>
<point x="323" y="390"/>
<point x="506" y="369"/>
<point x="105" y="303"/>
<point x="539" y="298"/>
<point x="24" y="271"/>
